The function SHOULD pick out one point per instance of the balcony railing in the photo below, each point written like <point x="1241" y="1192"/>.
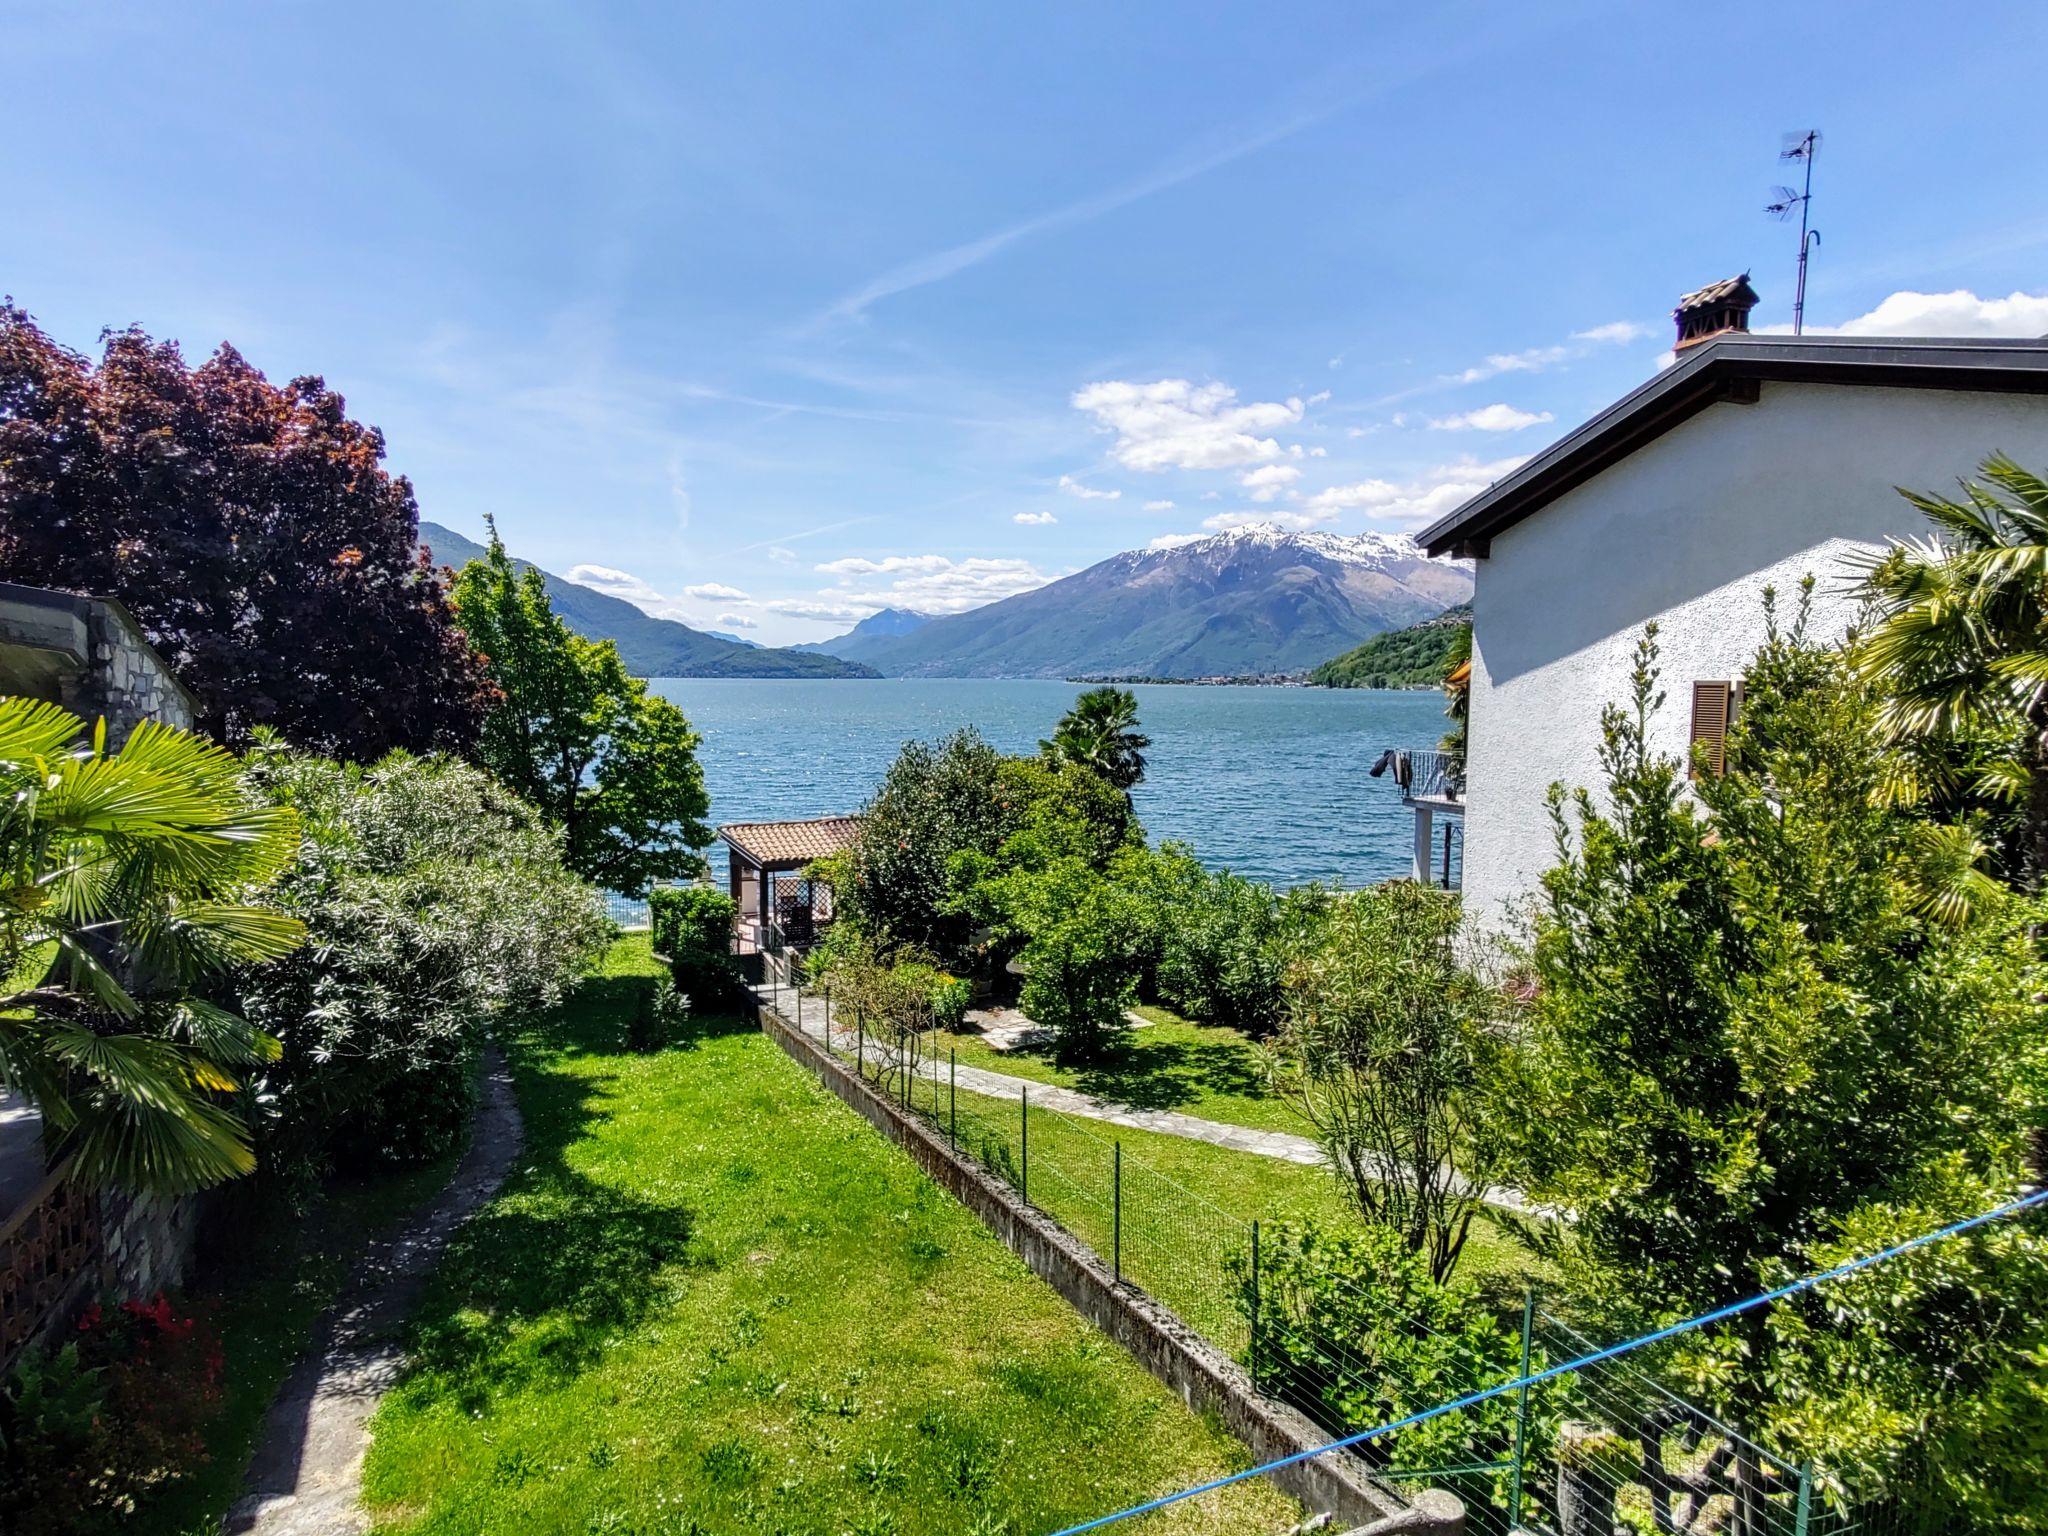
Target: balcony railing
<point x="1423" y="775"/>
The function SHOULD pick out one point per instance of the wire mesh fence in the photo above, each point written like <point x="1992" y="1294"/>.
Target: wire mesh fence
<point x="1600" y="1449"/>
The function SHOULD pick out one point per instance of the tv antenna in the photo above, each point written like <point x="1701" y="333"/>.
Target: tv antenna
<point x="1798" y="146"/>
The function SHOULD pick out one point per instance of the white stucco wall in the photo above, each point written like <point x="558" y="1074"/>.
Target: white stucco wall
<point x="1688" y="531"/>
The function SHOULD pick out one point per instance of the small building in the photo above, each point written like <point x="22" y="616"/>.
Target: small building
<point x="780" y="906"/>
<point x="60" y="1240"/>
<point x="89" y="655"/>
<point x="1751" y="461"/>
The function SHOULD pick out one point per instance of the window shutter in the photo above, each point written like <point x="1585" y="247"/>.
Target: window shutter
<point x="1710" y="706"/>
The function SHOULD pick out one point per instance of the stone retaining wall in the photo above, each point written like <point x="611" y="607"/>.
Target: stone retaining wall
<point x="1204" y="1378"/>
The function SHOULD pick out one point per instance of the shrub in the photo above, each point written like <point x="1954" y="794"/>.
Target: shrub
<point x="946" y="995"/>
<point x="1217" y="944"/>
<point x="434" y="900"/>
<point x="658" y="1017"/>
<point x="693" y="926"/>
<point x="1390" y="1051"/>
<point x="90" y="1430"/>
<point x="1352" y="1329"/>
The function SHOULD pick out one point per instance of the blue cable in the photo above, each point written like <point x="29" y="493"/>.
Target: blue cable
<point x="1705" y="1319"/>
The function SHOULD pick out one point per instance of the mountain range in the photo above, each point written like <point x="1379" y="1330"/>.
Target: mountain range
<point x="872" y="632"/>
<point x="650" y="647"/>
<point x="1256" y="599"/>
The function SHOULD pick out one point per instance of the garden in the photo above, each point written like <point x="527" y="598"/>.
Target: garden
<point x="1770" y="1011"/>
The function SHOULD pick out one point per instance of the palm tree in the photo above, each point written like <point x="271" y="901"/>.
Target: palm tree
<point x="1101" y="733"/>
<point x="127" y="880"/>
<point x="1958" y="640"/>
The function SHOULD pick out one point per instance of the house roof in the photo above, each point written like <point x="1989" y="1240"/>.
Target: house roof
<point x="1733" y="367"/>
<point x="768" y="843"/>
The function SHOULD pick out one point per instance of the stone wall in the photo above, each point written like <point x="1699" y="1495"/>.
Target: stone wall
<point x="1206" y="1379"/>
<point x="125" y="680"/>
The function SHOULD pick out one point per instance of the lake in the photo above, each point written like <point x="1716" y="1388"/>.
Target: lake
<point x="1270" y="782"/>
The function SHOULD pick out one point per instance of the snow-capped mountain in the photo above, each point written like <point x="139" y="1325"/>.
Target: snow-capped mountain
<point x="1255" y="599"/>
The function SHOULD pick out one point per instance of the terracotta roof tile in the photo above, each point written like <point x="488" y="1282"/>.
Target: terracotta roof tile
<point x="790" y="842"/>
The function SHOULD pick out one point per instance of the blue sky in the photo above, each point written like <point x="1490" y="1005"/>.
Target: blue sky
<point x="769" y="314"/>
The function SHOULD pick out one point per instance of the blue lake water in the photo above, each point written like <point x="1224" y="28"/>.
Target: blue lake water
<point x="1270" y="782"/>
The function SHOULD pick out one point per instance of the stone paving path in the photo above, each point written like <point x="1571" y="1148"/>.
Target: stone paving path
<point x="307" y="1475"/>
<point x="1000" y="1085"/>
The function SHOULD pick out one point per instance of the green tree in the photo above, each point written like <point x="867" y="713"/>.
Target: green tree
<point x="575" y="734"/>
<point x="129" y="882"/>
<point x="1390" y="1051"/>
<point x="1754" y="1017"/>
<point x="936" y="801"/>
<point x="434" y="900"/>
<point x="1101" y="733"/>
<point x="1959" y="644"/>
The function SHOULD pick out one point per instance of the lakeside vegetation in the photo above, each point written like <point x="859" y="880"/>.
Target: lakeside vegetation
<point x="1415" y="657"/>
<point x="1768" y="1011"/>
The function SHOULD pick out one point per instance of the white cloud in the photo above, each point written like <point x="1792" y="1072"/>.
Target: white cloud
<point x="1490" y="418"/>
<point x="888" y="566"/>
<point x="1319" y="452"/>
<point x="1296" y="521"/>
<point x="1035" y="519"/>
<point x="1268" y="480"/>
<point x="926" y="583"/>
<point x="737" y="621"/>
<point x="1616" y="331"/>
<point x="1423" y="499"/>
<point x="1536" y="359"/>
<point x="1074" y="487"/>
<point x="618" y="583"/>
<point x="1175" y="540"/>
<point x="1173" y="424"/>
<point x="782" y="556"/>
<point x="1158" y="506"/>
<point x="840" y="612"/>
<point x="648" y="599"/>
<point x="1961" y="313"/>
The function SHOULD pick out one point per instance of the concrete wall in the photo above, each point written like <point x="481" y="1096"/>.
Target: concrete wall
<point x="1688" y="531"/>
<point x="1203" y="1377"/>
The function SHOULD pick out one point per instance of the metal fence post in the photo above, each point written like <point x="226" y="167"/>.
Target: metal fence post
<point x="1024" y="1143"/>
<point x="952" y="1099"/>
<point x="1804" y="1515"/>
<point x="1252" y="1346"/>
<point x="860" y="1046"/>
<point x="1522" y="1409"/>
<point x="1116" y="1206"/>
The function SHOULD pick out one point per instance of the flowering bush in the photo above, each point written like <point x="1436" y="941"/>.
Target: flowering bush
<point x="89" y="1430"/>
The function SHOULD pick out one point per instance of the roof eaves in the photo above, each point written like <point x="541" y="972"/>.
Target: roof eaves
<point x="1732" y="368"/>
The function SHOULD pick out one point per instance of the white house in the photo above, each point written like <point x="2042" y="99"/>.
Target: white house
<point x="1751" y="461"/>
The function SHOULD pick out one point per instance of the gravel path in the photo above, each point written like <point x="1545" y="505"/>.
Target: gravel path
<point x="307" y="1475"/>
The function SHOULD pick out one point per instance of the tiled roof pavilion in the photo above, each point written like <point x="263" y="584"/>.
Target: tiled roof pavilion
<point x="788" y="844"/>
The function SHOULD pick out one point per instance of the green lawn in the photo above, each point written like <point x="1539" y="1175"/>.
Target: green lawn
<point x="712" y="1299"/>
<point x="1193" y="1069"/>
<point x="1186" y="1205"/>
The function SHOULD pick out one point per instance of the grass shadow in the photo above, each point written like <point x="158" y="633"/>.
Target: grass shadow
<point x="538" y="1281"/>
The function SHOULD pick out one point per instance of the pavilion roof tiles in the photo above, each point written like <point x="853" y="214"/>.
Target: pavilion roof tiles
<point x="767" y="843"/>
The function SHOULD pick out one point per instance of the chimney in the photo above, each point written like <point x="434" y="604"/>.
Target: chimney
<point x="1714" y="311"/>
